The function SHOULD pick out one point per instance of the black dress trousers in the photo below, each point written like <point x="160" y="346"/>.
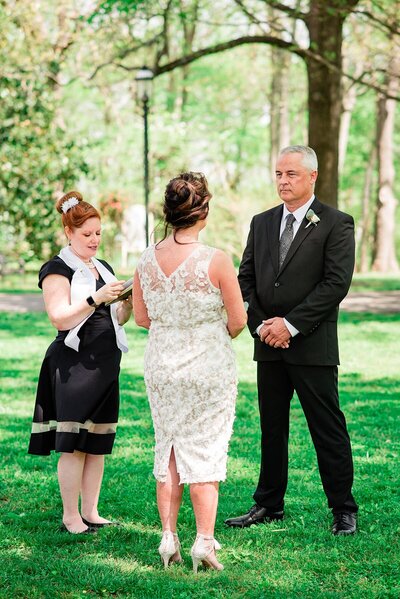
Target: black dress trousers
<point x="317" y="389"/>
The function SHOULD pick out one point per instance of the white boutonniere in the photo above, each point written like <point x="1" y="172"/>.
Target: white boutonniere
<point x="312" y="218"/>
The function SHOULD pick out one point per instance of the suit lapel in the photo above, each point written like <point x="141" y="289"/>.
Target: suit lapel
<point x="274" y="225"/>
<point x="303" y="232"/>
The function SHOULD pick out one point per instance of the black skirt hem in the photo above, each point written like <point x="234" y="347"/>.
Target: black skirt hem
<point x="95" y="444"/>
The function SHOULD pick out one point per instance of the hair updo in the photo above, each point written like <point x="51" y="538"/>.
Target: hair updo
<point x="76" y="215"/>
<point x="186" y="201"/>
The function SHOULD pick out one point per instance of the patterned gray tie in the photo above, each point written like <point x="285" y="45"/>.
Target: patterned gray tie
<point x="286" y="239"/>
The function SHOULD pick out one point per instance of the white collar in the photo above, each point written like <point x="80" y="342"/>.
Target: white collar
<point x="300" y="213"/>
<point x="83" y="284"/>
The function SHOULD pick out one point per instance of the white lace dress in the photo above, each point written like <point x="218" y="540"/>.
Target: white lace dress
<point x="189" y="367"/>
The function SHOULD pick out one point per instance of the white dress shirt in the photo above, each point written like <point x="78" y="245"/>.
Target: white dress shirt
<point x="299" y="215"/>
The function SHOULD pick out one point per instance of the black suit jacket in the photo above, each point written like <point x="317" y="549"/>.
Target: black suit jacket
<point x="307" y="290"/>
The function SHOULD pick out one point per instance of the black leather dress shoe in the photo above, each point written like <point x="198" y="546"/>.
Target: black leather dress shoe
<point x="256" y="515"/>
<point x="344" y="523"/>
<point x="99" y="524"/>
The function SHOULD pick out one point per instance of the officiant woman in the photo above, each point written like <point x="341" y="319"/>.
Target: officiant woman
<point x="77" y="400"/>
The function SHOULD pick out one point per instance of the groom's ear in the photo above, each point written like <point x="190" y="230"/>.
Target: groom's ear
<point x="313" y="177"/>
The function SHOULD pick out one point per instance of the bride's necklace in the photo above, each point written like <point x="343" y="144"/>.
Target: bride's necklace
<point x="187" y="240"/>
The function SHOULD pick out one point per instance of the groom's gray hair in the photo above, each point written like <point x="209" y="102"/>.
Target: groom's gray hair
<point x="310" y="159"/>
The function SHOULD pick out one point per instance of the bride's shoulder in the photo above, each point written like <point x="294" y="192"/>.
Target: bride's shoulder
<point x="146" y="252"/>
<point x="218" y="256"/>
<point x="214" y="250"/>
<point x="220" y="266"/>
<point x="145" y="255"/>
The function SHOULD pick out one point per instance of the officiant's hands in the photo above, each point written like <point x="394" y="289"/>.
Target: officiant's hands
<point x="275" y="333"/>
<point x="108" y="292"/>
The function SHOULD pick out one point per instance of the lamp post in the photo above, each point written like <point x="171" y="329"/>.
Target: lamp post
<point x="144" y="80"/>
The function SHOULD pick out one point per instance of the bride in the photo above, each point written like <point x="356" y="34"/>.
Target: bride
<point x="187" y="295"/>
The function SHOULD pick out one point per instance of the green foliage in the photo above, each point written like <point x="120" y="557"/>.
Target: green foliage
<point x="298" y="558"/>
<point x="123" y="6"/>
<point x="38" y="156"/>
<point x="69" y="118"/>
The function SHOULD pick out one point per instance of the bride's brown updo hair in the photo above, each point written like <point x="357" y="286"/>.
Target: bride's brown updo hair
<point x="76" y="215"/>
<point x="186" y="201"/>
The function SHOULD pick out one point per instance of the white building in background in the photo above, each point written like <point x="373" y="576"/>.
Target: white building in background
<point x="133" y="233"/>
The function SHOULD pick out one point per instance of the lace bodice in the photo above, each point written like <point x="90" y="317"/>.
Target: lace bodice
<point x="186" y="297"/>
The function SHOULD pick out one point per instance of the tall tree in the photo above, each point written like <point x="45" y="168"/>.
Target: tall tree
<point x="323" y="22"/>
<point x="325" y="26"/>
<point x="364" y="239"/>
<point x="385" y="255"/>
<point x="279" y="94"/>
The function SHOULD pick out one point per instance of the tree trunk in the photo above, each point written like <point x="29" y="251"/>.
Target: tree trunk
<point x="325" y="96"/>
<point x="189" y="17"/>
<point x="385" y="255"/>
<point x="364" y="225"/>
<point x="279" y="105"/>
<point x="349" y="102"/>
<point x="171" y="92"/>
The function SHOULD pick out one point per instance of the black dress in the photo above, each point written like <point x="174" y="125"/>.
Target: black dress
<point x="77" y="397"/>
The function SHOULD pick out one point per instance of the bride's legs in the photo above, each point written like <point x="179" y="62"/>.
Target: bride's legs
<point x="169" y="496"/>
<point x="204" y="498"/>
<point x="70" y="469"/>
<point x="92" y="477"/>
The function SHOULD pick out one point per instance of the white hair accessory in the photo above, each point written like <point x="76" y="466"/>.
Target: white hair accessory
<point x="69" y="204"/>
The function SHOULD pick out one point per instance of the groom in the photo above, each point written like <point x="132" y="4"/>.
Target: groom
<point x="296" y="269"/>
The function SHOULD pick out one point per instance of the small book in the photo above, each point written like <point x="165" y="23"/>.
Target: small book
<point x="126" y="292"/>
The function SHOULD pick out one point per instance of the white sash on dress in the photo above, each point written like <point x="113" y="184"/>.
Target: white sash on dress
<point x="83" y="284"/>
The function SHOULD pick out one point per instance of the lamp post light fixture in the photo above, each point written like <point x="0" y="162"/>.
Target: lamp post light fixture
<point x="144" y="84"/>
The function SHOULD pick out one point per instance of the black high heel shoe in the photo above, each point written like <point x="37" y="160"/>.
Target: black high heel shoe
<point x="89" y="530"/>
<point x="97" y="525"/>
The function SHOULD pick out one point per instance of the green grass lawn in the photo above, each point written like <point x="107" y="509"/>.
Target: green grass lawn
<point x="296" y="558"/>
<point x="375" y="282"/>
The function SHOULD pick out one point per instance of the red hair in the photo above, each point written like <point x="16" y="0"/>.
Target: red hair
<point x="78" y="214"/>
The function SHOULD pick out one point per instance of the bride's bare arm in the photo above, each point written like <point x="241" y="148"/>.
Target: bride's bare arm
<point x="223" y="275"/>
<point x="124" y="310"/>
<point x="139" y="307"/>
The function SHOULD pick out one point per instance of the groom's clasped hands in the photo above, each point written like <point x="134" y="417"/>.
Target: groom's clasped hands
<point x="275" y="333"/>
